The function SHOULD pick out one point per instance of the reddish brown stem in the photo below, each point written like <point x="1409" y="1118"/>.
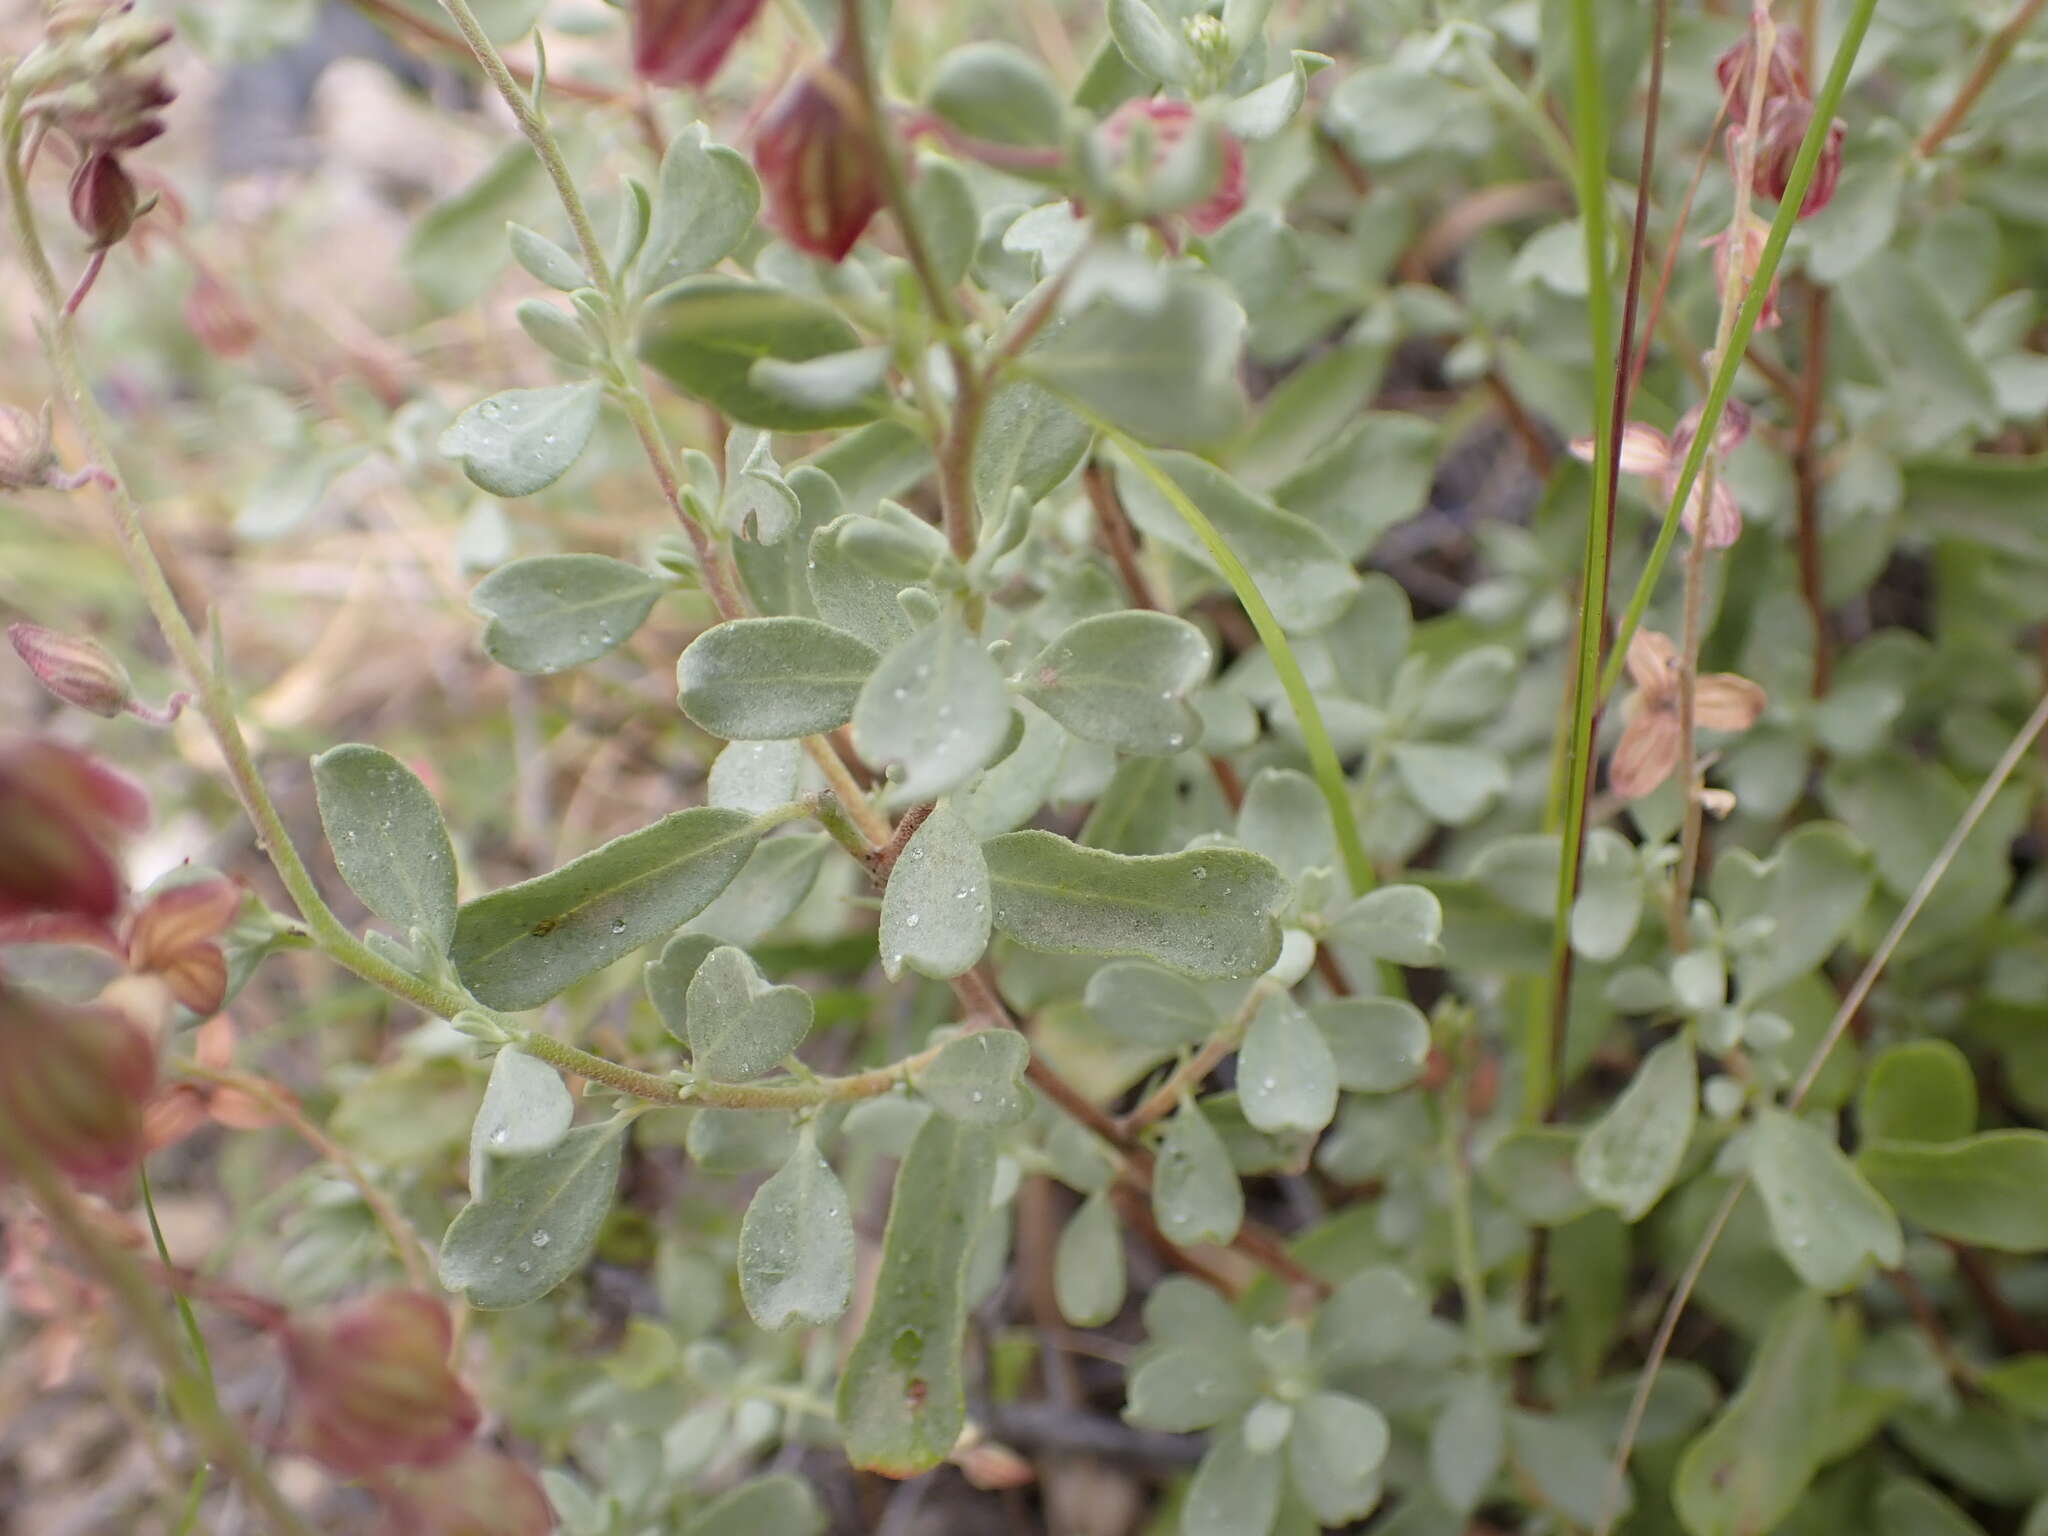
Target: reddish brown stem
<point x="1996" y="51"/>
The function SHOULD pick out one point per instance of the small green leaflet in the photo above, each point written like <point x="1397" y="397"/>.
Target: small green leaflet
<point x="1828" y="1221"/>
<point x="934" y="712"/>
<point x="1631" y="1154"/>
<point x="1123" y="679"/>
<point x="978" y="1079"/>
<point x="1196" y="1196"/>
<point x="796" y="1243"/>
<point x="550" y="612"/>
<point x="1088" y="1264"/>
<point x="388" y="839"/>
<point x="1286" y="1077"/>
<point x="740" y="1026"/>
<point x="935" y="909"/>
<point x="772" y="679"/>
<point x="524" y="440"/>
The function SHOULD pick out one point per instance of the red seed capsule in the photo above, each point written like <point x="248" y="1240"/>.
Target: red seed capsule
<point x="683" y="42"/>
<point x="61" y="812"/>
<point x="373" y="1388"/>
<point x="817" y="163"/>
<point x="1168" y="124"/>
<point x="77" y="669"/>
<point x="104" y="202"/>
<point x="478" y="1493"/>
<point x="74" y="1083"/>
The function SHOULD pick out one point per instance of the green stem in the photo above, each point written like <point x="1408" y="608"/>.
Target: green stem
<point x="535" y="127"/>
<point x="1589" y="113"/>
<point x="1322" y="753"/>
<point x="771" y="1095"/>
<point x="1745" y="323"/>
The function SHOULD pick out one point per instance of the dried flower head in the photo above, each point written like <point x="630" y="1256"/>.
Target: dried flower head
<point x="1779" y="135"/>
<point x="819" y="176"/>
<point x="1784" y="68"/>
<point x="1711" y="516"/>
<point x="1746" y="250"/>
<point x="104" y="201"/>
<point x="683" y="42"/>
<point x="372" y="1386"/>
<point x="176" y="936"/>
<point x="61" y="815"/>
<point x="28" y="457"/>
<point x="74" y="1082"/>
<point x="1647" y="753"/>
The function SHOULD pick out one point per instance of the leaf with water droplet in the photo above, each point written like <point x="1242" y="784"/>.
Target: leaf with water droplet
<point x="902" y="1402"/>
<point x="1207" y="912"/>
<point x="537" y="1221"/>
<point x="519" y="946"/>
<point x="1631" y="1154"/>
<point x="1380" y="1044"/>
<point x="1236" y="1491"/>
<point x="769" y="1506"/>
<point x="741" y="1026"/>
<point x="1088" y="1264"/>
<point x="524" y="440"/>
<point x="978" y="1079"/>
<point x="1140" y="1002"/>
<point x="755" y="776"/>
<point x="1829" y="1223"/>
<point x="668" y="979"/>
<point x="1286" y="1076"/>
<point x="934" y="712"/>
<point x="1123" y="679"/>
<point x="388" y="839"/>
<point x="935" y="910"/>
<point x="526" y="1111"/>
<point x="796" y="1243"/>
<point x="550" y="612"/>
<point x="770" y="885"/>
<point x="1334" y="1452"/>
<point x="1196" y="1195"/>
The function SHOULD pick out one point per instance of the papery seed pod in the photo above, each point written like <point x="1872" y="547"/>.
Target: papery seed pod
<point x="817" y="163"/>
<point x="61" y="812"/>
<point x="1745" y="251"/>
<point x="28" y="458"/>
<point x="75" y="1082"/>
<point x="683" y="42"/>
<point x="478" y="1493"/>
<point x="104" y="202"/>
<point x="176" y="934"/>
<point x="372" y="1387"/>
<point x="76" y="668"/>
<point x="1168" y="125"/>
<point x="1784" y="71"/>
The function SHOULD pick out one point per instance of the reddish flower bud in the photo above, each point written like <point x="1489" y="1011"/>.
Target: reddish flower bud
<point x="817" y="163"/>
<point x="60" y="813"/>
<point x="1784" y="71"/>
<point x="373" y="1388"/>
<point x="77" y="669"/>
<point x="1784" y="125"/>
<point x="28" y="458"/>
<point x="682" y="42"/>
<point x="74" y="1083"/>
<point x="479" y="1493"/>
<point x="1168" y="125"/>
<point x="104" y="202"/>
<point x="1744" y="252"/>
<point x="174" y="935"/>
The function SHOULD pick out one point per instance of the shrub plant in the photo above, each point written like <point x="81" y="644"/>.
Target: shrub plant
<point x="1347" y="836"/>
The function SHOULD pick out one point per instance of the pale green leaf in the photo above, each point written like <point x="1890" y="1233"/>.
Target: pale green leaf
<point x="796" y="1243"/>
<point x="934" y="711"/>
<point x="1630" y="1155"/>
<point x="755" y="776"/>
<point x="549" y="612"/>
<point x="1467" y="1442"/>
<point x="769" y="1506"/>
<point x="1138" y="1002"/>
<point x="1985" y="1190"/>
<point x="740" y="1025"/>
<point x="1236" y="1491"/>
<point x="706" y="333"/>
<point x="935" y="909"/>
<point x="1918" y="1090"/>
<point x="1196" y="1196"/>
<point x="978" y="1079"/>
<point x="1334" y="1453"/>
<point x="1401" y="923"/>
<point x="526" y="1109"/>
<point x="1827" y="1220"/>
<point x="772" y="679"/>
<point x="704" y="203"/>
<point x="538" y="1222"/>
<point x="1286" y="1076"/>
<point x="1379" y="1044"/>
<point x="388" y="839"/>
<point x="524" y="440"/>
<point x="1088" y="1264"/>
<point x="1123" y="679"/>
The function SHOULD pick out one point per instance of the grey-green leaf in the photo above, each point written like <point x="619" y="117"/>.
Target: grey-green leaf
<point x="1747" y="1469"/>
<point x="901" y="1399"/>
<point x="1379" y="1044"/>
<point x="1207" y="913"/>
<point x="740" y="1026"/>
<point x="668" y="979"/>
<point x="1150" y="43"/>
<point x="706" y="333"/>
<point x="548" y="612"/>
<point x="1028" y="441"/>
<point x="1631" y="1154"/>
<point x="933" y="712"/>
<point x="526" y="1109"/>
<point x="1401" y="923"/>
<point x="388" y="839"/>
<point x="519" y="946"/>
<point x="1828" y="1221"/>
<point x="1196" y="1196"/>
<point x="704" y="203"/>
<point x="1236" y="1491"/>
<point x="1123" y="679"/>
<point x="1137" y="1001"/>
<point x="772" y="679"/>
<point x="755" y="776"/>
<point x="538" y="1222"/>
<point x="796" y="1243"/>
<point x="1984" y="1190"/>
<point x="1166" y="372"/>
<point x="781" y="1505"/>
<point x="978" y="1079"/>
<point x="935" y="909"/>
<point x="1334" y="1453"/>
<point x="1088" y="1264"/>
<point x="545" y="260"/>
<point x="1286" y="1076"/>
<point x="1467" y="1442"/>
<point x="524" y="440"/>
<point x="836" y="381"/>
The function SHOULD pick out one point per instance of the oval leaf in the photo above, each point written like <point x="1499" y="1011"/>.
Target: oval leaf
<point x="538" y="1222"/>
<point x="1380" y="1044"/>
<point x="1088" y="1264"/>
<point x="772" y="679"/>
<point x="934" y="712"/>
<point x="549" y="612"/>
<point x="978" y="1079"/>
<point x="1123" y="679"/>
<point x="524" y="440"/>
<point x="526" y="1109"/>
<point x="1205" y="913"/>
<point x="388" y="839"/>
<point x="796" y="1243"/>
<point x="1828" y="1221"/>
<point x="1196" y="1196"/>
<point x="1631" y="1154"/>
<point x="519" y="946"/>
<point x="935" y="909"/>
<point x="741" y="1026"/>
<point x="1286" y="1076"/>
<point x="706" y="333"/>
